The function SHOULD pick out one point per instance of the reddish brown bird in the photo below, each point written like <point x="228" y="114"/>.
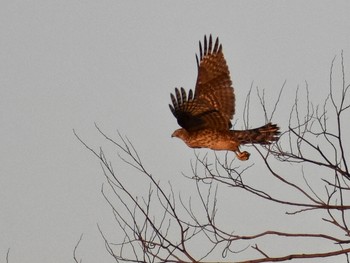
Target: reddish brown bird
<point x="205" y="116"/>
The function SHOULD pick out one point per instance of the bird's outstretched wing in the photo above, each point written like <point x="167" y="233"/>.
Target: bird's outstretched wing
<point x="193" y="114"/>
<point x="212" y="104"/>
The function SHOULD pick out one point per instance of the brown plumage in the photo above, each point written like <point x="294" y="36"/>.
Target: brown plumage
<point x="205" y="116"/>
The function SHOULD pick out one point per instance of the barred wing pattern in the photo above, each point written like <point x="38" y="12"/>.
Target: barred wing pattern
<point x="212" y="104"/>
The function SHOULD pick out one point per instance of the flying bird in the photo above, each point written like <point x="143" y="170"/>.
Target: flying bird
<point x="205" y="115"/>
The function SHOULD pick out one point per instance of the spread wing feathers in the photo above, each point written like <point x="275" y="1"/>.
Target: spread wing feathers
<point x="213" y="103"/>
<point x="214" y="84"/>
<point x="195" y="114"/>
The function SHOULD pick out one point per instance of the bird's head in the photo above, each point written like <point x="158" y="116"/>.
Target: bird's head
<point x="181" y="134"/>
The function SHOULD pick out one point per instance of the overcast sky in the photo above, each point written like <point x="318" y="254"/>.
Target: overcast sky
<point x="66" y="65"/>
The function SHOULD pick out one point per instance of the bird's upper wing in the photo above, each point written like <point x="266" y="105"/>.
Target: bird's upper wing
<point x="212" y="105"/>
<point x="214" y="85"/>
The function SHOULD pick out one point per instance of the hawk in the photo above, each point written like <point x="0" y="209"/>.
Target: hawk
<point x="205" y="115"/>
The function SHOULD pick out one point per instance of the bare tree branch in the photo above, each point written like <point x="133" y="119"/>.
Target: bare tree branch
<point x="75" y="250"/>
<point x="309" y="161"/>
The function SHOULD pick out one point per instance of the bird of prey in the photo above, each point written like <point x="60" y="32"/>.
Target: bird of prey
<point x="205" y="115"/>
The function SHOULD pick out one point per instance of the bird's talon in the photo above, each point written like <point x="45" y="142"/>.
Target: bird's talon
<point x="243" y="156"/>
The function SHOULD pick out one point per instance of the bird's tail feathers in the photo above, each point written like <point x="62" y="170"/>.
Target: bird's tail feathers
<point x="263" y="135"/>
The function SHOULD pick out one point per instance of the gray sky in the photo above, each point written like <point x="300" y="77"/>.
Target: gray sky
<point x="68" y="64"/>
